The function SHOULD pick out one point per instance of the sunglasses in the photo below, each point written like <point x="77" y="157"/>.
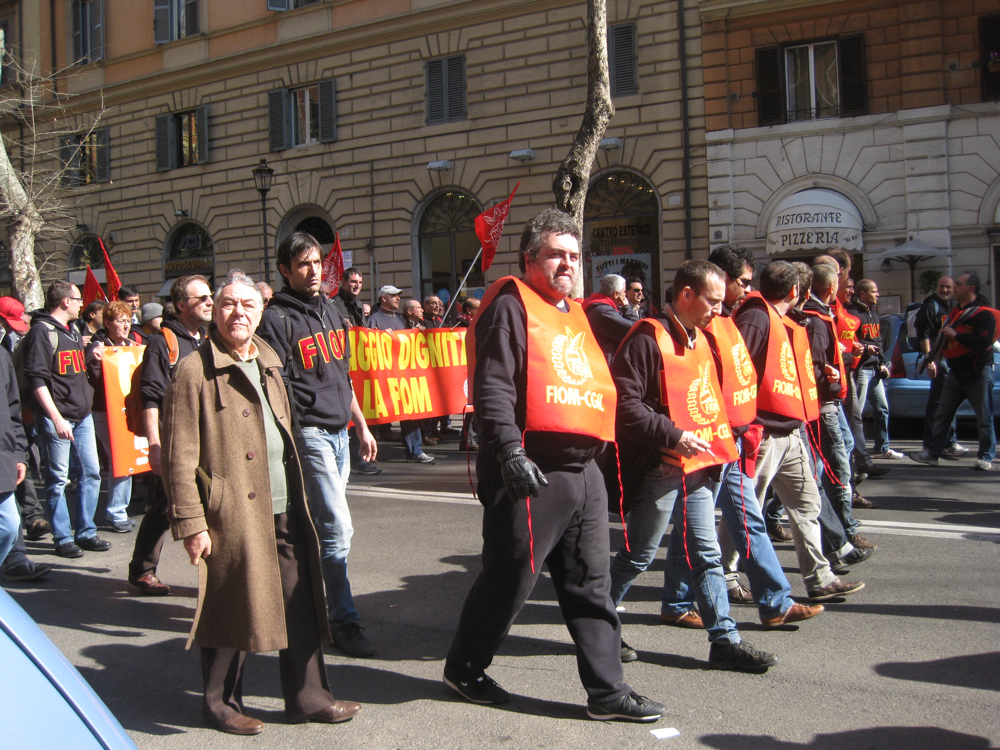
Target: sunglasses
<point x="202" y="299"/>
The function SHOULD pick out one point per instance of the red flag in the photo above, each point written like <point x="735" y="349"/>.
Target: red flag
<point x="114" y="283"/>
<point x="333" y="267"/>
<point x="92" y="289"/>
<point x="489" y="228"/>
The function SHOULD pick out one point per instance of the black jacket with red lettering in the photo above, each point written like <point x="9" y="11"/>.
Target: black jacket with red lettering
<point x="308" y="335"/>
<point x="63" y="371"/>
<point x="868" y="334"/>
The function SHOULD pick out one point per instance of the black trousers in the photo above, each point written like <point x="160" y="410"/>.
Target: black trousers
<point x="569" y="519"/>
<point x="152" y="531"/>
<point x="303" y="673"/>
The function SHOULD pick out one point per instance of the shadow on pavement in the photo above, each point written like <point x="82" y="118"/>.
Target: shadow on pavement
<point x="880" y="738"/>
<point x="979" y="671"/>
<point x="938" y="612"/>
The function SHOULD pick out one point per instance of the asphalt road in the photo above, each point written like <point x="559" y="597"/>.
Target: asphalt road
<point x="910" y="662"/>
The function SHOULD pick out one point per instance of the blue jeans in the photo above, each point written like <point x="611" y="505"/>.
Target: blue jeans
<point x="326" y="463"/>
<point x="738" y="531"/>
<point x="119" y="488"/>
<point x="835" y="475"/>
<point x="57" y="454"/>
<point x="10" y="522"/>
<point x="979" y="394"/>
<point x="933" y="399"/>
<point x="870" y="388"/>
<point x="660" y="499"/>
<point x="412" y="437"/>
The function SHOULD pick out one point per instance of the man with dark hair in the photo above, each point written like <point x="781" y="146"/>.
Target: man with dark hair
<point x="872" y="369"/>
<point x="516" y="392"/>
<point x="61" y="398"/>
<point x="347" y="298"/>
<point x="928" y="323"/>
<point x="129" y="294"/>
<point x="602" y="308"/>
<point x="966" y="342"/>
<point x="633" y="299"/>
<point x="674" y="436"/>
<point x="177" y="338"/>
<point x="739" y="264"/>
<point x="844" y="263"/>
<point x="311" y="341"/>
<point x="782" y="460"/>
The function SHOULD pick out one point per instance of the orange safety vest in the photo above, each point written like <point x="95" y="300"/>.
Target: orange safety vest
<point x="835" y="347"/>
<point x="954" y="349"/>
<point x="739" y="378"/>
<point x="780" y="389"/>
<point x="569" y="386"/>
<point x="689" y="382"/>
<point x="847" y="329"/>
<point x="804" y="364"/>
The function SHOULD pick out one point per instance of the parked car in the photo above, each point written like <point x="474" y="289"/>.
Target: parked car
<point x="906" y="391"/>
<point x="42" y="695"/>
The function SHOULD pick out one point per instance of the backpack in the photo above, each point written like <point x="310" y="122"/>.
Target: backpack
<point x="17" y="358"/>
<point x="133" y="401"/>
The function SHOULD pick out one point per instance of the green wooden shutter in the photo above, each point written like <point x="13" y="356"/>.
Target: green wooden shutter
<point x="622" y="59"/>
<point x="770" y="86"/>
<point x="166" y="142"/>
<point x="853" y="81"/>
<point x="327" y="110"/>
<point x="201" y="131"/>
<point x="103" y="155"/>
<point x="277" y="119"/>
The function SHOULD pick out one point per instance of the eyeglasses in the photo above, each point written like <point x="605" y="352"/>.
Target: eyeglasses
<point x="201" y="299"/>
<point x="75" y="299"/>
<point x="636" y="290"/>
<point x="744" y="283"/>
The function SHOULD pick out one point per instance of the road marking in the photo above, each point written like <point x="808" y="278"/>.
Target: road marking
<point x="895" y="528"/>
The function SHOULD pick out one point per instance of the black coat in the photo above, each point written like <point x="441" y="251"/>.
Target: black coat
<point x="13" y="444"/>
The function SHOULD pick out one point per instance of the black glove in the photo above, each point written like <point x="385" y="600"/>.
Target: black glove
<point x="521" y="476"/>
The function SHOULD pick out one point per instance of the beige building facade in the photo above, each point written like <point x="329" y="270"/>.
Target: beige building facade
<point x="391" y="123"/>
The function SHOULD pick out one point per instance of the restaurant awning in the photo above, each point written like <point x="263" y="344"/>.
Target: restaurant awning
<point x="817" y="219"/>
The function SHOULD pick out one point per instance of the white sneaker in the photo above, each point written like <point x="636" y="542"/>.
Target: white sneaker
<point x="955" y="450"/>
<point x="923" y="457"/>
<point x="423" y="458"/>
<point x="983" y="465"/>
<point x="890" y="453"/>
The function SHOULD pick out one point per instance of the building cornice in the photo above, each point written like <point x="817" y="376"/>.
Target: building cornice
<point x="716" y="9"/>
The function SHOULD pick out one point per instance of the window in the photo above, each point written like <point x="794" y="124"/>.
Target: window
<point x="182" y="139"/>
<point x="288" y="4"/>
<point x="989" y="50"/>
<point x="86" y="251"/>
<point x="622" y="59"/>
<point x="448" y="244"/>
<point x="85" y="159"/>
<point x="174" y="19"/>
<point x="302" y="117"/>
<point x="446" y="89"/>
<point x="88" y="30"/>
<point x="811" y="81"/>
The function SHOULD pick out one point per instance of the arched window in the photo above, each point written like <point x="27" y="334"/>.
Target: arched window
<point x="318" y="228"/>
<point x="86" y="251"/>
<point x="189" y="251"/>
<point x="448" y="244"/>
<point x="621" y="231"/>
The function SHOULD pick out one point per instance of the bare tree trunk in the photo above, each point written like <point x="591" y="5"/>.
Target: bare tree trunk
<point x="573" y="177"/>
<point x="23" y="223"/>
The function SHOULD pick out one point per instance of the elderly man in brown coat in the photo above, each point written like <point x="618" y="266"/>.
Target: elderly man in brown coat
<point x="234" y="484"/>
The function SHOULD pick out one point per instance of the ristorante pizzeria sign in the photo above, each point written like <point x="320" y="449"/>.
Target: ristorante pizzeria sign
<point x="811" y="223"/>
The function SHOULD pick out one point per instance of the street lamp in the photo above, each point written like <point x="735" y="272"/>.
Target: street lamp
<point x="262" y="176"/>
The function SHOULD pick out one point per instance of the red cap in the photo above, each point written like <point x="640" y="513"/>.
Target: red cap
<point x="12" y="311"/>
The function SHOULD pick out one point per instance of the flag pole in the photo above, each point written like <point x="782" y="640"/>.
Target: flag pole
<point x="451" y="302"/>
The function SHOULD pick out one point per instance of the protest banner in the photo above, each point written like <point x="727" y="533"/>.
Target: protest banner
<point x="408" y="374"/>
<point x="129" y="454"/>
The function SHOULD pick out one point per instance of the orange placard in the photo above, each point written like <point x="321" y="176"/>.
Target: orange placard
<point x="129" y="454"/>
<point x="409" y="374"/>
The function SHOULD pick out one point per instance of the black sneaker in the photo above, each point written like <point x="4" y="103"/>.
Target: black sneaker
<point x="482" y="689"/>
<point x="93" y="544"/>
<point x="857" y="555"/>
<point x="628" y="653"/>
<point x="350" y="639"/>
<point x="364" y="467"/>
<point x="629" y="707"/>
<point x="740" y="657"/>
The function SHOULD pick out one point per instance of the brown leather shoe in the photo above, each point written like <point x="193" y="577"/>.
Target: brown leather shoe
<point x="835" y="589"/>
<point x="690" y="619"/>
<point x="795" y="613"/>
<point x="779" y="533"/>
<point x="860" y="501"/>
<point x="150" y="585"/>
<point x="338" y="712"/>
<point x="740" y="594"/>
<point x="860" y="542"/>
<point x="238" y="724"/>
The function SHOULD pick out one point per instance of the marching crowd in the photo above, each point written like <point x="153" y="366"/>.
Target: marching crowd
<point x="747" y="401"/>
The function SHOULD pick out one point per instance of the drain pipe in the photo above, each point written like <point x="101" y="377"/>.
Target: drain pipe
<point x="685" y="123"/>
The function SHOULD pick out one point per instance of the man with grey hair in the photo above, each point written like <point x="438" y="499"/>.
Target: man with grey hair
<point x="558" y="517"/>
<point x="603" y="312"/>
